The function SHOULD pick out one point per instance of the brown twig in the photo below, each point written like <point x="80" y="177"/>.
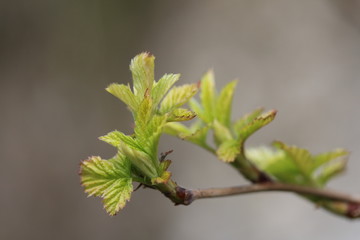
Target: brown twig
<point x="336" y="202"/>
<point x="263" y="187"/>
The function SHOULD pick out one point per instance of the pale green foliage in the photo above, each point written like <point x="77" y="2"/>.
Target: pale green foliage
<point x="208" y="97"/>
<point x="153" y="104"/>
<point x="224" y="103"/>
<point x="287" y="164"/>
<point x="177" y="97"/>
<point x="148" y="134"/>
<point x="115" y="138"/>
<point x="109" y="179"/>
<point x="162" y="86"/>
<point x="214" y="112"/>
<point x="157" y="108"/>
<point x="221" y="132"/>
<point x="124" y="93"/>
<point x="196" y="135"/>
<point x="142" y="69"/>
<point x="228" y="150"/>
<point x="251" y="126"/>
<point x="274" y="162"/>
<point x="290" y="164"/>
<point x="246" y="119"/>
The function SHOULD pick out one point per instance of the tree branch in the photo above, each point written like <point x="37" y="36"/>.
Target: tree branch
<point x="272" y="186"/>
<point x="265" y="187"/>
<point x="336" y="202"/>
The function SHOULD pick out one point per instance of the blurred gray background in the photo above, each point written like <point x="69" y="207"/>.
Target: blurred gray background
<point x="56" y="57"/>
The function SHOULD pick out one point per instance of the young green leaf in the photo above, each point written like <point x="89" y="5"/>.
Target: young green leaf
<point x="327" y="157"/>
<point x="115" y="138"/>
<point x="256" y="124"/>
<point x="228" y="150"/>
<point x="197" y="134"/>
<point x="291" y="164"/>
<point x="145" y="110"/>
<point x="161" y="87"/>
<point x="301" y="157"/>
<point x="124" y="93"/>
<point x="208" y="96"/>
<point x="117" y="195"/>
<point x="198" y="137"/>
<point x="142" y="69"/>
<point x="177" y="97"/>
<point x="140" y="159"/>
<point x="110" y="181"/>
<point x="247" y="119"/>
<point x="275" y="163"/>
<point x="224" y="102"/>
<point x="148" y="134"/>
<point x="221" y="133"/>
<point x="329" y="164"/>
<point x="330" y="170"/>
<point x="198" y="109"/>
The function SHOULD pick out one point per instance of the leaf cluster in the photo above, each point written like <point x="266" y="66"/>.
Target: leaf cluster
<point x="214" y="116"/>
<point x="157" y="108"/>
<point x="152" y="104"/>
<point x="291" y="164"/>
<point x="281" y="163"/>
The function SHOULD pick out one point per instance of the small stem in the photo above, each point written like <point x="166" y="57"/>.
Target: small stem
<point x="175" y="193"/>
<point x="262" y="187"/>
<point x="336" y="202"/>
<point x="249" y="170"/>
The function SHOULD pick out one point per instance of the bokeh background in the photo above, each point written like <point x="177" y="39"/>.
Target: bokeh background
<point x="56" y="57"/>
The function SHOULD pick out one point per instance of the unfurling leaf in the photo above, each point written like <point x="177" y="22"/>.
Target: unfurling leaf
<point x="196" y="134"/>
<point x="141" y="160"/>
<point x="221" y="133"/>
<point x="228" y="150"/>
<point x="144" y="111"/>
<point x="115" y="138"/>
<point x="198" y="109"/>
<point x="330" y="170"/>
<point x="300" y="157"/>
<point x="290" y="164"/>
<point x="142" y="69"/>
<point x="177" y="97"/>
<point x="224" y="102"/>
<point x="108" y="179"/>
<point x="124" y="93"/>
<point x="275" y="163"/>
<point x="327" y="157"/>
<point x="254" y="125"/>
<point x="208" y="96"/>
<point x="148" y="134"/>
<point x="161" y="87"/>
<point x="247" y="119"/>
<point x="318" y="169"/>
